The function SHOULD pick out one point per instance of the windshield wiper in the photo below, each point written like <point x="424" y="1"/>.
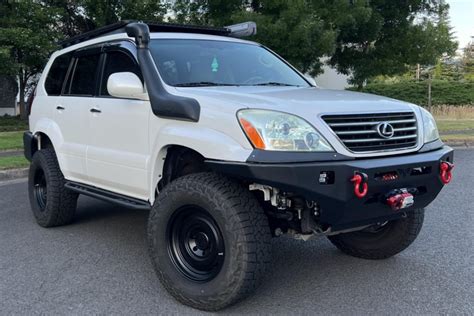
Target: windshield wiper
<point x="203" y="84"/>
<point x="272" y="83"/>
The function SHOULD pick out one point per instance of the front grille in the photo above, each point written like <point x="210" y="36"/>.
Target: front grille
<point x="359" y="132"/>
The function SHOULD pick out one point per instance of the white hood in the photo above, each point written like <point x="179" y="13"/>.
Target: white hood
<point x="308" y="103"/>
<point x="301" y="101"/>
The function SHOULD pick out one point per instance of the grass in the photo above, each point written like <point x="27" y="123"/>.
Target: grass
<point x="11" y="141"/>
<point x="13" y="162"/>
<point x="450" y="112"/>
<point x="12" y="123"/>
<point x="455" y="125"/>
<point x="458" y="137"/>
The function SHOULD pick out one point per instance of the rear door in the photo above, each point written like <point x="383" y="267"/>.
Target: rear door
<point x="71" y="113"/>
<point x="118" y="148"/>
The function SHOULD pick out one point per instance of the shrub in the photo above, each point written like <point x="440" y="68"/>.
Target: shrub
<point x="442" y="92"/>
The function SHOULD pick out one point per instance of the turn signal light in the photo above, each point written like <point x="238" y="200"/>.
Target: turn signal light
<point x="252" y="134"/>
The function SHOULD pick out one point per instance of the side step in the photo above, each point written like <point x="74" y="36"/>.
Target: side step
<point x="107" y="196"/>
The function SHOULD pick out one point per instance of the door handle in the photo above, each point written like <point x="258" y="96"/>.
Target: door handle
<point x="95" y="110"/>
<point x="60" y="108"/>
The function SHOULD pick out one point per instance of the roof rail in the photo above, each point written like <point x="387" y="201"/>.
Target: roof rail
<point x="119" y="27"/>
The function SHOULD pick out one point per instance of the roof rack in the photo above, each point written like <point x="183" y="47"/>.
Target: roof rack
<point x="119" y="27"/>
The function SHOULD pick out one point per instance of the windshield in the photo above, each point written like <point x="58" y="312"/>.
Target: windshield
<point x="191" y="63"/>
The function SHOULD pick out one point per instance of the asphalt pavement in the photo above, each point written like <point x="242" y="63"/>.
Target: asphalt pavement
<point x="99" y="265"/>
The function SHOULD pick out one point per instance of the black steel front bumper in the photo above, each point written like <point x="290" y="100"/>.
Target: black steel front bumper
<point x="340" y="208"/>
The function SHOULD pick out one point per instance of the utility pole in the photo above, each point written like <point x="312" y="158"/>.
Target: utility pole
<point x="429" y="92"/>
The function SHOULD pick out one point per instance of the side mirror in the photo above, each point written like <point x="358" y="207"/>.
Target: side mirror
<point x="311" y="80"/>
<point x="126" y="85"/>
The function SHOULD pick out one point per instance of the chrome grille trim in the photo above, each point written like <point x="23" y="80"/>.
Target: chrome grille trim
<point x="358" y="131"/>
<point x="371" y="123"/>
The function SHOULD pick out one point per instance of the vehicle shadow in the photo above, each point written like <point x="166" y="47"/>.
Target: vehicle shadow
<point x="303" y="277"/>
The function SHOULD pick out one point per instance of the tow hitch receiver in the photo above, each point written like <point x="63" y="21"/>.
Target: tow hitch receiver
<point x="400" y="198"/>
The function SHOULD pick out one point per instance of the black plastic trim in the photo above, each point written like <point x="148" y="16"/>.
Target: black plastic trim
<point x="268" y="156"/>
<point x="108" y="196"/>
<point x="163" y="103"/>
<point x="30" y="145"/>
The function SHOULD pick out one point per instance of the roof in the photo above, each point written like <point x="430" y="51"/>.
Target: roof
<point x="119" y="27"/>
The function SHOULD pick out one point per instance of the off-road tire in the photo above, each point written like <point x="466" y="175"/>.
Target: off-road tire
<point x="245" y="232"/>
<point x="60" y="204"/>
<point x="393" y="238"/>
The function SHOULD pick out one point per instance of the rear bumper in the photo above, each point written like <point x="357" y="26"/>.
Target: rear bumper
<point x="340" y="208"/>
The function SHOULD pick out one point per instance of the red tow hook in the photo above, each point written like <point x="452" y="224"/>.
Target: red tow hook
<point x="358" y="179"/>
<point x="445" y="171"/>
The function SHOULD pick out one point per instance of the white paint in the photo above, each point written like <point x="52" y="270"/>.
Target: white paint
<point x="122" y="148"/>
<point x="125" y="85"/>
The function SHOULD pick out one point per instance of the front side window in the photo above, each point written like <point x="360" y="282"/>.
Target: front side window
<point x="57" y="74"/>
<point x="117" y="62"/>
<point x="84" y="75"/>
<point x="183" y="62"/>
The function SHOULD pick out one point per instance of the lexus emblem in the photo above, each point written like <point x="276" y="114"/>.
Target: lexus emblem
<point x="385" y="130"/>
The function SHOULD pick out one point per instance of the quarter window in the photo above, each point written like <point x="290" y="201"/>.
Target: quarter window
<point x="84" y="76"/>
<point x="57" y="74"/>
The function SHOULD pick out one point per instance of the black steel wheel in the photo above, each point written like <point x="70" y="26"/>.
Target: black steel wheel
<point x="40" y="189"/>
<point x="209" y="240"/>
<point x="195" y="243"/>
<point x="51" y="202"/>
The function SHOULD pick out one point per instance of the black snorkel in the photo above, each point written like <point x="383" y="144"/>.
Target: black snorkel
<point x="163" y="103"/>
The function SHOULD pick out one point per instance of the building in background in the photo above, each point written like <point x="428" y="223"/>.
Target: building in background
<point x="331" y="79"/>
<point x="8" y="93"/>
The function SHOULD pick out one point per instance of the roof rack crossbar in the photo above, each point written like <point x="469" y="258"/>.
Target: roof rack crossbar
<point x="119" y="27"/>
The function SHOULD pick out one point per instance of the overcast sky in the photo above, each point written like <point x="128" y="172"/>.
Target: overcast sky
<point x="462" y="20"/>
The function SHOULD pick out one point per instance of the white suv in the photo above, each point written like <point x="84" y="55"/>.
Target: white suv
<point x="227" y="145"/>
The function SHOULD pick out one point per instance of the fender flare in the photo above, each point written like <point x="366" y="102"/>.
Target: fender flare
<point x="197" y="139"/>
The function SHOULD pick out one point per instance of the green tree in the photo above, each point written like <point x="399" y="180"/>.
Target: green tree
<point x="80" y="16"/>
<point x="27" y="37"/>
<point x="468" y="62"/>
<point x="384" y="37"/>
<point x="206" y="12"/>
<point x="291" y="28"/>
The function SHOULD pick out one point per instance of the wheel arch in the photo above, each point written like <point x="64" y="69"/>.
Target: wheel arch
<point x="47" y="134"/>
<point x="174" y="161"/>
<point x="199" y="140"/>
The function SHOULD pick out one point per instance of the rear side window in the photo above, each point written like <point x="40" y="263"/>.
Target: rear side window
<point x="84" y="76"/>
<point x="117" y="62"/>
<point x="57" y="74"/>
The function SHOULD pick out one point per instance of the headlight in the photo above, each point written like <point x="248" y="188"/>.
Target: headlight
<point x="429" y="126"/>
<point x="271" y="130"/>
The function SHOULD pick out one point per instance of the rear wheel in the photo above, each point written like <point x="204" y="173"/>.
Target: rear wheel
<point x="209" y="241"/>
<point x="383" y="241"/>
<point x="51" y="202"/>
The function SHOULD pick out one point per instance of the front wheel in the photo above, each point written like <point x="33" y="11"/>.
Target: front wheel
<point x="383" y="241"/>
<point x="209" y="241"/>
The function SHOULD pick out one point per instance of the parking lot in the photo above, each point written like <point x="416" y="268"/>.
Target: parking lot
<point x="100" y="265"/>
